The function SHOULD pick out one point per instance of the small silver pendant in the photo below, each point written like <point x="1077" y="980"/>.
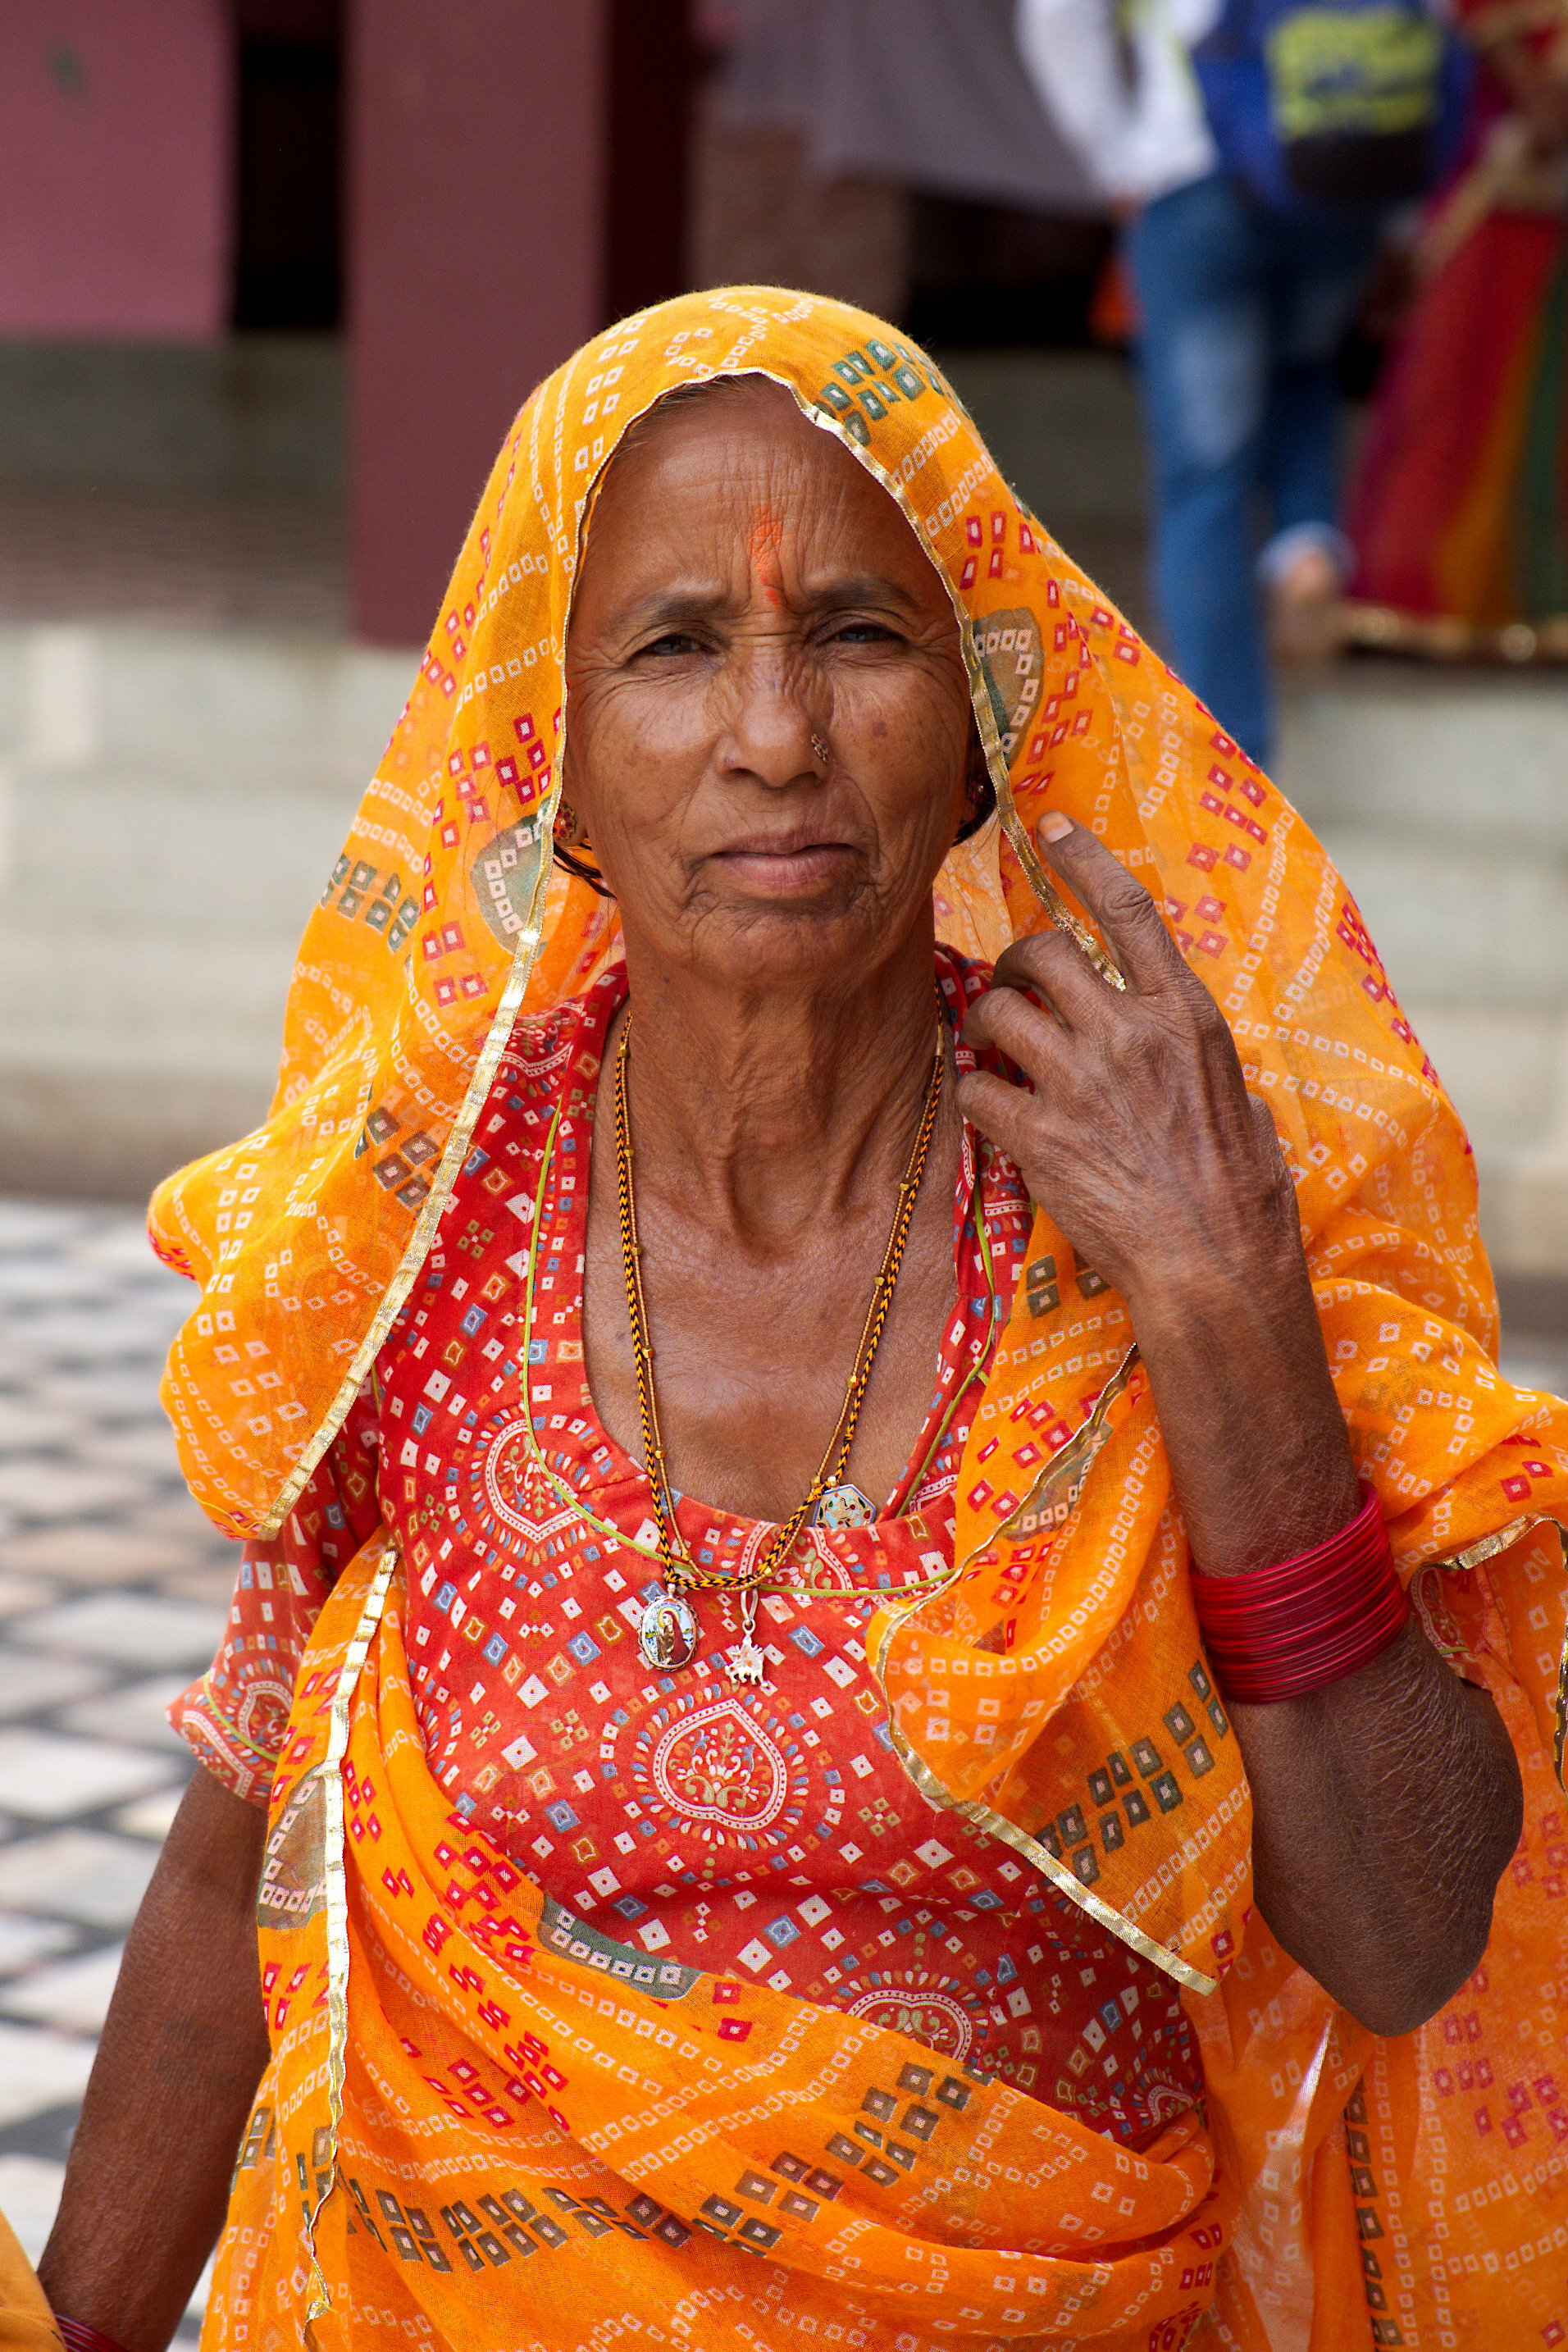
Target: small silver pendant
<point x="844" y="1506"/>
<point x="667" y="1633"/>
<point x="747" y="1662"/>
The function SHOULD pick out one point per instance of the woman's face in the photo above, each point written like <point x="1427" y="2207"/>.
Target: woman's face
<point x="747" y="586"/>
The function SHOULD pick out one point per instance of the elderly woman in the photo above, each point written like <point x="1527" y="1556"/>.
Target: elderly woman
<point x="847" y="1756"/>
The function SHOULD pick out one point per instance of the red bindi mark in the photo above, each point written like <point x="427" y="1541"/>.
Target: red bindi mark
<point x="763" y="546"/>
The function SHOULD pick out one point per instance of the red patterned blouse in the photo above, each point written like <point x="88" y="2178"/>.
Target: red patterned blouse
<point x="766" y="1832"/>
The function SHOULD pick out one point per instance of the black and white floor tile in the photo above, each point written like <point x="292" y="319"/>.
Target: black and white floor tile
<point x="112" y="1594"/>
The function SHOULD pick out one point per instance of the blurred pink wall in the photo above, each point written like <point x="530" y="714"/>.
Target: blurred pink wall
<point x="115" y="167"/>
<point x="476" y="212"/>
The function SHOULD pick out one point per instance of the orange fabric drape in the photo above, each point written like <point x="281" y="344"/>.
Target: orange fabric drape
<point x="1056" y="1688"/>
<point x="26" y="2322"/>
<point x="546" y="2140"/>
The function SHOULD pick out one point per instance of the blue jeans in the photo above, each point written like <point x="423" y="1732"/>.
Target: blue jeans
<point x="1242" y="314"/>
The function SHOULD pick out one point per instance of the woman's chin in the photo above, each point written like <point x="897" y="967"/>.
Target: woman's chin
<point x="788" y="942"/>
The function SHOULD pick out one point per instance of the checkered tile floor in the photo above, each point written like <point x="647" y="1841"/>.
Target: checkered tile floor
<point x="112" y="1592"/>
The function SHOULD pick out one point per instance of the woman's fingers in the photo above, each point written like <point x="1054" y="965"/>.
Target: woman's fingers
<point x="1049" y="967"/>
<point x="1134" y="930"/>
<point x="1006" y="1113"/>
<point x="1055" y="969"/>
<point x="1009" y="1023"/>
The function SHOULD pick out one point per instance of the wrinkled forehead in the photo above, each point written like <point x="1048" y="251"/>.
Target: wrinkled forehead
<point x="735" y="476"/>
<point x="727" y="444"/>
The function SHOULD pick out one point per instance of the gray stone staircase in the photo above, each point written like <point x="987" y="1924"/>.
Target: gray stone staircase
<point x="1443" y="796"/>
<point x="171" y="803"/>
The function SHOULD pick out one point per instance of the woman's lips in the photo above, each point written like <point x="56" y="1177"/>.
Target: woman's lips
<point x="780" y="868"/>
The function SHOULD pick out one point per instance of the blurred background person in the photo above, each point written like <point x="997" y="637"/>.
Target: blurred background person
<point x="1245" y="281"/>
<point x="893" y="153"/>
<point x="1456" y="506"/>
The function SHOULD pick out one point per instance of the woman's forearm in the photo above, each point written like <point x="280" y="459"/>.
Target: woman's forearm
<point x="1385" y="1810"/>
<point x="1386" y="1805"/>
<point x="183" y="2050"/>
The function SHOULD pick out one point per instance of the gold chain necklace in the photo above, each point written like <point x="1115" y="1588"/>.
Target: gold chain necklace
<point x="668" y="1632"/>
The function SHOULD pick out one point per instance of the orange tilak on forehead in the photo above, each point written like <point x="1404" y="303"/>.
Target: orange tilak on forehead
<point x="762" y="543"/>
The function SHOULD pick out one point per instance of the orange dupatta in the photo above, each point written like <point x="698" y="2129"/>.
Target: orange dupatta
<point x="1056" y="1690"/>
<point x="467" y="2078"/>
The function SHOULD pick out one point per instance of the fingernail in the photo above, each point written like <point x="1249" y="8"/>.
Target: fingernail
<point x="1054" y="827"/>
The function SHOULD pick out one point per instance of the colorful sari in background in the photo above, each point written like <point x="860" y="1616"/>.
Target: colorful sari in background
<point x="484" y="2123"/>
<point x="1458" y="506"/>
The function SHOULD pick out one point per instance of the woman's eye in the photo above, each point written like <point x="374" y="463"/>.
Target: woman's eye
<point x="674" y="641"/>
<point x="862" y="633"/>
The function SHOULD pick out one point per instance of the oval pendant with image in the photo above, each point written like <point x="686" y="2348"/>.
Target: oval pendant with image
<point x="668" y="1633"/>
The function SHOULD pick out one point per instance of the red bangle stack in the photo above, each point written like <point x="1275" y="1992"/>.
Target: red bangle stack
<point x="1273" y="1634"/>
<point x="78" y="2338"/>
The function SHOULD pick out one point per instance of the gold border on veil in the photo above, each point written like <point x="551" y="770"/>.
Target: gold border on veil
<point x="530" y="937"/>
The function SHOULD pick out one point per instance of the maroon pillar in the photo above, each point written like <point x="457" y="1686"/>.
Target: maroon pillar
<point x="652" y="68"/>
<point x="517" y="179"/>
<point x="476" y="196"/>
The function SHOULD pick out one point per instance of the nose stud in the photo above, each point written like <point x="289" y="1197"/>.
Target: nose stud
<point x="819" y="750"/>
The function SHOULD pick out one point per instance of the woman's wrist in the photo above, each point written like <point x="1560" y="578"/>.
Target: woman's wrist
<point x="77" y="2336"/>
<point x="1260" y="1459"/>
<point x="1284" y="1632"/>
<point x="1208" y="1276"/>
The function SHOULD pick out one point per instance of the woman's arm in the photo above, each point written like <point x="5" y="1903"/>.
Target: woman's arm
<point x="182" y="2053"/>
<point x="1385" y="1806"/>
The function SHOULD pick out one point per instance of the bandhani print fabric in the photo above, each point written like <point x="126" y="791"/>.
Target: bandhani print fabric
<point x="773" y="1833"/>
<point x="498" y="2176"/>
<point x="493" y="2109"/>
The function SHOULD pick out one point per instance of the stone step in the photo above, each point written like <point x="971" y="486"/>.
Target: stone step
<point x="1473" y="759"/>
<point x="1443" y="798"/>
<point x="171" y="804"/>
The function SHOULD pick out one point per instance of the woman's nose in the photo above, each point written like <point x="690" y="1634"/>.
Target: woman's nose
<point x="769" y="725"/>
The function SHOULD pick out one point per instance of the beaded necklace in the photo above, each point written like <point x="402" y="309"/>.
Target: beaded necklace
<point x="668" y="1633"/>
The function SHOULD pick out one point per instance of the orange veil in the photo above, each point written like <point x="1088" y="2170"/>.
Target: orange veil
<point x="483" y="2118"/>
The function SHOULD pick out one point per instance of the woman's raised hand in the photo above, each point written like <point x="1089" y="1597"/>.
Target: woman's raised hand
<point x="1140" y="1140"/>
<point x="1142" y="1143"/>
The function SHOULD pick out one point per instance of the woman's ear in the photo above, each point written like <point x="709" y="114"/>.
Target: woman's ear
<point x="573" y="851"/>
<point x="979" y="792"/>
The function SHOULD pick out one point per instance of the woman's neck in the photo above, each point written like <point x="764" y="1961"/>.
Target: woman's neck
<point x="756" y="1112"/>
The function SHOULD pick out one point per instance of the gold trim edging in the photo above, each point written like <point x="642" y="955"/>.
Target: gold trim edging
<point x="432" y="1208"/>
<point x="998" y="1825"/>
<point x="333" y="1836"/>
<point x="1066" y="1465"/>
<point x="1072" y="1456"/>
<point x="1487" y="1548"/>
